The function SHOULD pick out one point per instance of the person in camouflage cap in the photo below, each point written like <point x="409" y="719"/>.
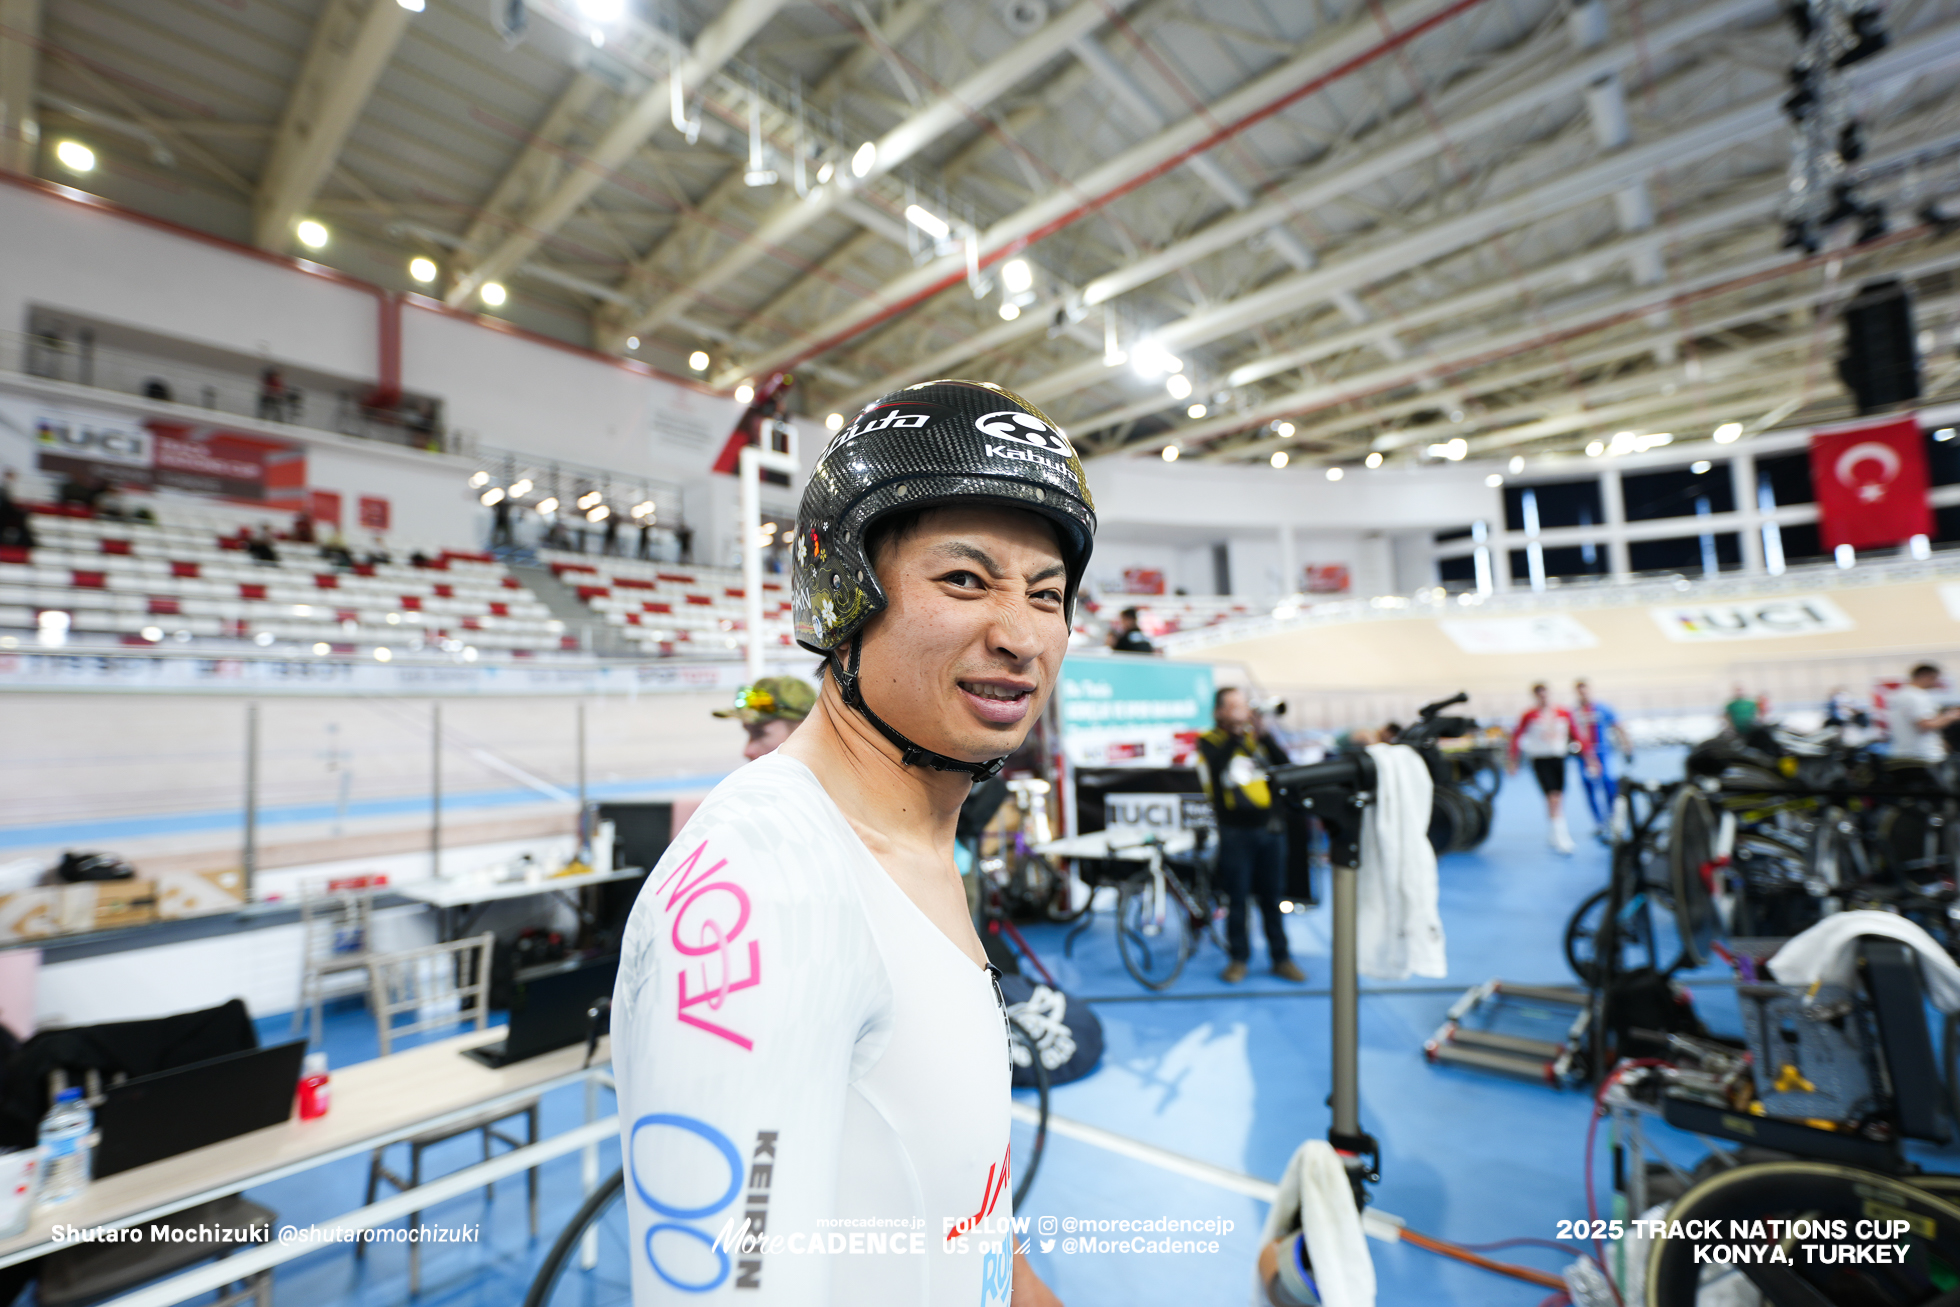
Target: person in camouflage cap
<point x="770" y="709"/>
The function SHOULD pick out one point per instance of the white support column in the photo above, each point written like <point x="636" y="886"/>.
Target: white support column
<point x="1612" y="498"/>
<point x="1744" y="465"/>
<point x="1289" y="563"/>
<point x="753" y="460"/>
<point x="20" y="63"/>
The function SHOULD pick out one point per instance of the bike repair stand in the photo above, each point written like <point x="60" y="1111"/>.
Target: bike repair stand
<point x="1337" y="793"/>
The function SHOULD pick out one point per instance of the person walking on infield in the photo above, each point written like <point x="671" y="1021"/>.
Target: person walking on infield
<point x="1917" y="720"/>
<point x="1232" y="760"/>
<point x="1546" y="736"/>
<point x="806" y="1035"/>
<point x="1598" y="726"/>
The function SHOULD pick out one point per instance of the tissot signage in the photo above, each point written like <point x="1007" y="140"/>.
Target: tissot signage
<point x="1753" y="619"/>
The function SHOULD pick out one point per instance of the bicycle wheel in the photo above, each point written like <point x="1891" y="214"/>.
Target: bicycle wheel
<point x="1812" y="1191"/>
<point x="1153" y="931"/>
<point x="563" y="1282"/>
<point x="1032" y="1164"/>
<point x="1643" y="937"/>
<point x="1060" y="903"/>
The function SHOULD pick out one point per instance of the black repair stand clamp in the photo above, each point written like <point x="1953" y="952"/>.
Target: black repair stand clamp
<point x="1337" y="791"/>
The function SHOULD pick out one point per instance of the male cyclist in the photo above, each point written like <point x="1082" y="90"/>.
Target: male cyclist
<point x="770" y="709"/>
<point x="1597" y="725"/>
<point x="811" y="1052"/>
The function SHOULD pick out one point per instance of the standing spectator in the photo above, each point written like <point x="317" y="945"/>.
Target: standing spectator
<point x="646" y="542"/>
<point x="272" y="395"/>
<point x="609" y="543"/>
<point x="14" y="527"/>
<point x="684" y="539"/>
<point x="1917" y="720"/>
<point x="1232" y="761"/>
<point x="302" y="530"/>
<point x="1546" y="736"/>
<point x="1126" y="635"/>
<point x="500" y="532"/>
<point x="379" y="555"/>
<point x="1598" y="726"/>
<point x="1741" y="712"/>
<point x="770" y="709"/>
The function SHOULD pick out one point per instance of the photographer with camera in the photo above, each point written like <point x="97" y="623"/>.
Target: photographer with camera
<point x="1232" y="760"/>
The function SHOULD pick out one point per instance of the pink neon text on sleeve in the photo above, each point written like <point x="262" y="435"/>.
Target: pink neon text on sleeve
<point x="708" y="919"/>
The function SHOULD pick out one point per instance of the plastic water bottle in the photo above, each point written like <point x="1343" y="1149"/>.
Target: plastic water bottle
<point x="65" y="1148"/>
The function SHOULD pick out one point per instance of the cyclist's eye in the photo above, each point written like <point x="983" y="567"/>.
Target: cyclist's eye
<point x="1048" y="596"/>
<point x="963" y="579"/>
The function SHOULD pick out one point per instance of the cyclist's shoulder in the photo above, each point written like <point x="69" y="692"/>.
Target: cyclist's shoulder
<point x="769" y="815"/>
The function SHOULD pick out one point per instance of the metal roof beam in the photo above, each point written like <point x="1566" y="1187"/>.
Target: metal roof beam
<point x="20" y="70"/>
<point x="1293" y="295"/>
<point x="351" y="44"/>
<point x="951" y="108"/>
<point x="716" y="45"/>
<point x="1358" y="41"/>
<point x="611" y="325"/>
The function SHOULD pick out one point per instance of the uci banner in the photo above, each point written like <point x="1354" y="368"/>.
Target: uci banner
<point x="1125" y="711"/>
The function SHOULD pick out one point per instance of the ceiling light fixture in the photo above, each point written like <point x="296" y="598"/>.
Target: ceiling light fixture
<point x="422" y="269"/>
<point x="494" y="294"/>
<point x="632" y="342"/>
<point x="1279" y="458"/>
<point x="1010" y="311"/>
<point x="698" y="360"/>
<point x="313" y="235"/>
<point x="745" y="393"/>
<point x="1728" y="433"/>
<point x="865" y="159"/>
<point x="75" y="156"/>
<point x="928" y="222"/>
<point x="1016" y="276"/>
<point x="1178" y="385"/>
<point x="1334" y="474"/>
<point x="834" y="421"/>
<point x="1196" y="411"/>
<point x="1170" y="453"/>
<point x="1374" y="459"/>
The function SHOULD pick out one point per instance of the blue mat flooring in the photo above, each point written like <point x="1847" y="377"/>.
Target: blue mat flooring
<point x="1236" y="1077"/>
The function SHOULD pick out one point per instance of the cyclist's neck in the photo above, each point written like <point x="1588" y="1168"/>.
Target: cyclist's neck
<point x="861" y="772"/>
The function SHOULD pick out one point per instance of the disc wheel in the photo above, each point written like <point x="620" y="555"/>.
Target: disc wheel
<point x="1690" y="862"/>
<point x="563" y="1281"/>
<point x="1812" y="1191"/>
<point x="1154" y="933"/>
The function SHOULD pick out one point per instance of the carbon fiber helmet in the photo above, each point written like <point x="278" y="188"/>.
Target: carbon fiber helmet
<point x="936" y="443"/>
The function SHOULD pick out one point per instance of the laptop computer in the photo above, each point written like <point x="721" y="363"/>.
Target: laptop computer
<point x="549" y="1010"/>
<point x="170" y="1112"/>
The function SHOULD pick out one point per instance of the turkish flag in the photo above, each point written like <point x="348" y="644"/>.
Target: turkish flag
<point x="1871" y="484"/>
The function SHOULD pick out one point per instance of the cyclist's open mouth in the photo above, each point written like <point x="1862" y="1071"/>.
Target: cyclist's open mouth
<point x="1002" y="701"/>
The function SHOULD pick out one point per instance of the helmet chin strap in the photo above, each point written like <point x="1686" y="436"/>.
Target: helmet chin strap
<point x="911" y="755"/>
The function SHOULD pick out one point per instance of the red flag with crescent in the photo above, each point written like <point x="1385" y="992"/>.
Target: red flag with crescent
<point x="1871" y="485"/>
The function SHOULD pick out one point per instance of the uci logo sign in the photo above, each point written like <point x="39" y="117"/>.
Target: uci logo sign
<point x="1026" y="429"/>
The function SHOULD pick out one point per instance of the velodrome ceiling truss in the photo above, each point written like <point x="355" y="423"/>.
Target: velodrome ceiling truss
<point x="1387" y="223"/>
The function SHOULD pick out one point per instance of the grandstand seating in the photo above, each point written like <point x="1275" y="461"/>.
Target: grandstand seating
<point x="119" y="577"/>
<point x="672" y="608"/>
<point x="1168" y="614"/>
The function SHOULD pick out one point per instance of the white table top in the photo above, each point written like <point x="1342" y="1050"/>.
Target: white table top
<point x="374" y="1103"/>
<point x="455" y="891"/>
<point x="1119" y="845"/>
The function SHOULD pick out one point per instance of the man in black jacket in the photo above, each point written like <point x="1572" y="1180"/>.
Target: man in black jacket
<point x="1232" y="761"/>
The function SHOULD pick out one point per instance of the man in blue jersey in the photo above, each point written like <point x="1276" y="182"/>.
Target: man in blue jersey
<point x="811" y="1050"/>
<point x="1597" y="725"/>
